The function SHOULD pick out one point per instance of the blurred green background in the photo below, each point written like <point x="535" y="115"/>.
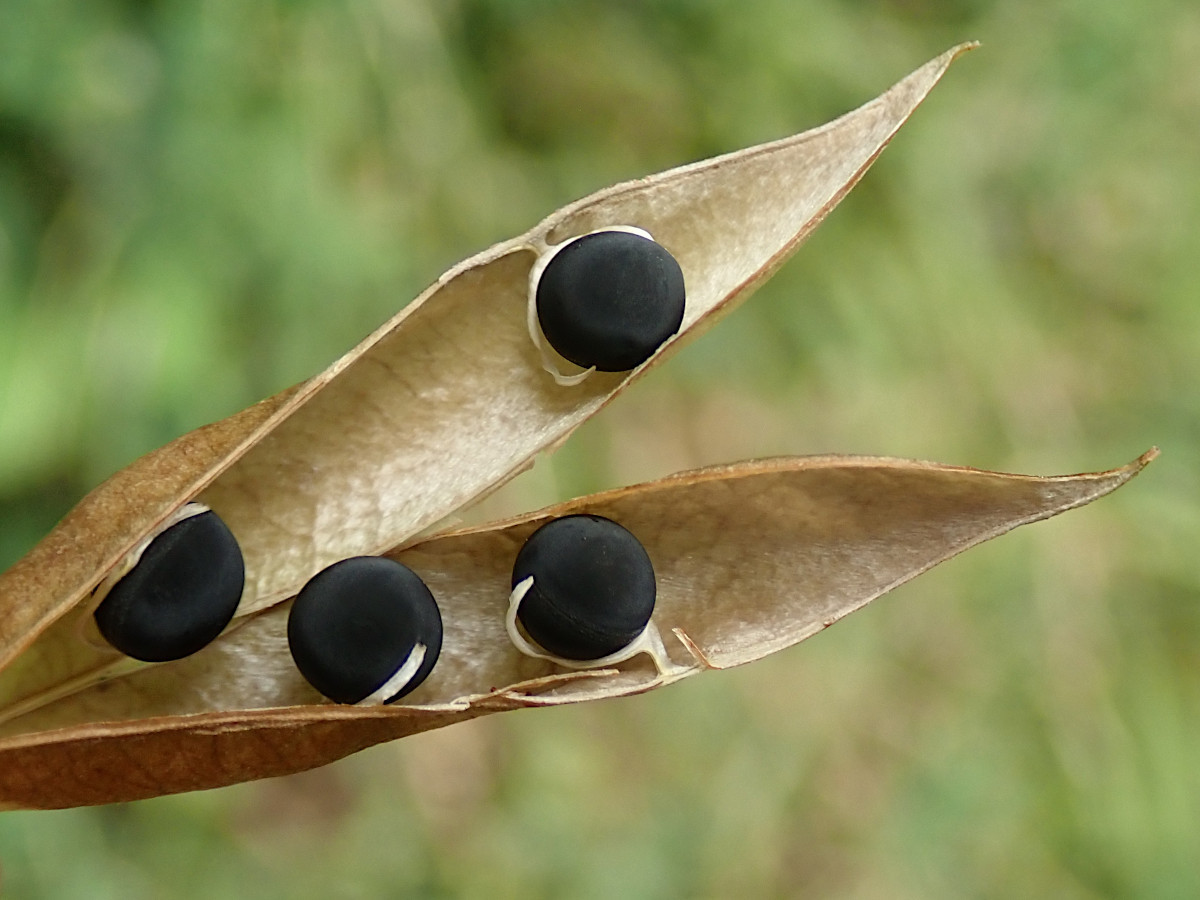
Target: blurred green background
<point x="203" y="202"/>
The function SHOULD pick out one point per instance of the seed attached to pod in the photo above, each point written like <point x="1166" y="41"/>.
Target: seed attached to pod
<point x="592" y="590"/>
<point x="609" y="299"/>
<point x="179" y="596"/>
<point x="365" y="630"/>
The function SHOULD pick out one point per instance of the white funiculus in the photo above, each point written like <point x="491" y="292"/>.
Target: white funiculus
<point x="649" y="641"/>
<point x="399" y="680"/>
<point x="550" y="359"/>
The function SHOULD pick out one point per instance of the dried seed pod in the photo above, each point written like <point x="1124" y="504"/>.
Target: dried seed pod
<point x="609" y="299"/>
<point x="239" y="710"/>
<point x="179" y="596"/>
<point x="365" y="630"/>
<point x="592" y="591"/>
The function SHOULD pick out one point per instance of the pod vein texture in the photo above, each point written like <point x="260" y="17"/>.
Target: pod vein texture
<point x="750" y="557"/>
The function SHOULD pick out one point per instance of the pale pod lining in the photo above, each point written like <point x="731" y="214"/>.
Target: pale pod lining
<point x="550" y="358"/>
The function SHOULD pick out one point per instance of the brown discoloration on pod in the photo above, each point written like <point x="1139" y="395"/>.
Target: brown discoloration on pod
<point x="751" y="558"/>
<point x="326" y="461"/>
<point x="441" y="405"/>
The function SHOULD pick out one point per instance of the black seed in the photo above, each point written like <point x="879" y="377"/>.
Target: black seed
<point x="355" y="623"/>
<point x="180" y="595"/>
<point x="593" y="587"/>
<point x="610" y="299"/>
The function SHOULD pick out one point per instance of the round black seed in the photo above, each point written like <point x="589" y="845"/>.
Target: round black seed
<point x="610" y="299"/>
<point x="593" y="587"/>
<point x="180" y="595"/>
<point x="355" y="623"/>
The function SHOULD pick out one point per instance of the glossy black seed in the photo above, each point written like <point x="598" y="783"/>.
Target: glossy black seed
<point x="610" y="299"/>
<point x="180" y="595"/>
<point x="355" y="623"/>
<point x="593" y="587"/>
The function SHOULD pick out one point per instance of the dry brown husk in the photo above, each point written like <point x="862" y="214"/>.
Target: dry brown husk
<point x="750" y="558"/>
<point x="434" y="410"/>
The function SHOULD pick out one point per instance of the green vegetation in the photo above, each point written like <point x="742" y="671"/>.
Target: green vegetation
<point x="202" y="203"/>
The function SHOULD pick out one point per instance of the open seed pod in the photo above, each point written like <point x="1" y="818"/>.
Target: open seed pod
<point x="437" y="408"/>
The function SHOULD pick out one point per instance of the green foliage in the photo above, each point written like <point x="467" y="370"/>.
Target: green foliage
<point x="202" y="203"/>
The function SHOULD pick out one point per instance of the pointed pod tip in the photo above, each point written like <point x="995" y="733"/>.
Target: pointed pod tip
<point x="1145" y="459"/>
<point x="1114" y="478"/>
<point x="1130" y="469"/>
<point x="941" y="63"/>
